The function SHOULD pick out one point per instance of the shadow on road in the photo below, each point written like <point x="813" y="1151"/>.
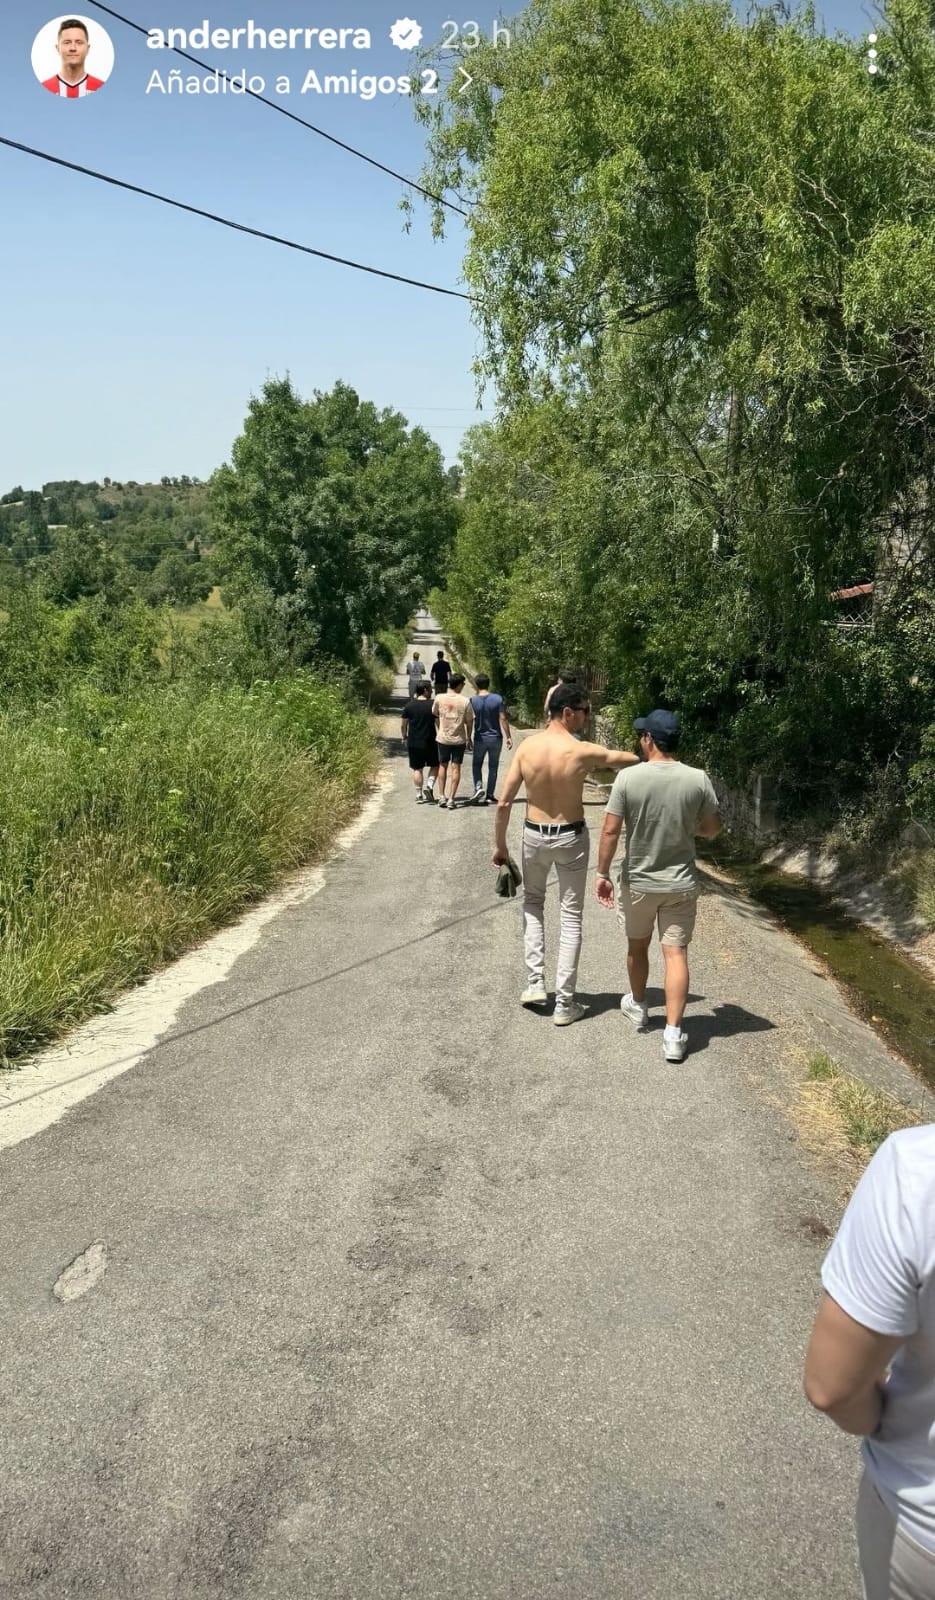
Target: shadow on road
<point x="720" y="1023"/>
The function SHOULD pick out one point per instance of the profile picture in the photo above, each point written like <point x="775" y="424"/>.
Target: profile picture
<point x="72" y="56"/>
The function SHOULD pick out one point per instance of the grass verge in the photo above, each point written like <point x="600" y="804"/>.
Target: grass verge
<point x="133" y="826"/>
<point x="839" y="1114"/>
<point x="379" y="664"/>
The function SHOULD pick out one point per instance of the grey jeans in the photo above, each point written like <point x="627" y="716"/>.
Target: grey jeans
<point x="893" y="1566"/>
<point x="568" y="853"/>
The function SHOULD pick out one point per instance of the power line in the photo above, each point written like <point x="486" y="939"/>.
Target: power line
<point x="226" y="222"/>
<point x="274" y="106"/>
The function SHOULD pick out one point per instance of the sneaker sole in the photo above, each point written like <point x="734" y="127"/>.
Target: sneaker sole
<point x="537" y="1000"/>
<point x="639" y="1023"/>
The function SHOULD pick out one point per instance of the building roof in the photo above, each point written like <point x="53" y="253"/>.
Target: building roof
<point x="853" y="592"/>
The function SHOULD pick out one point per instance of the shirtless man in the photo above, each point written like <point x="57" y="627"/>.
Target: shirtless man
<point x="553" y="765"/>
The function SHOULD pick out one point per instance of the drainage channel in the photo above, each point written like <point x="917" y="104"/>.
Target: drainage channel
<point x="884" y="986"/>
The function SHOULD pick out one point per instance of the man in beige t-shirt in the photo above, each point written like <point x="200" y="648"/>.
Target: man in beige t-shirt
<point x="455" y="722"/>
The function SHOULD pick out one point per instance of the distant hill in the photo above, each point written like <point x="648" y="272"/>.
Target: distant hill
<point x="74" y="537"/>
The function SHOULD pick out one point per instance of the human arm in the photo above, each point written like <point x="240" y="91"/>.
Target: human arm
<point x="844" y="1368"/>
<point x="505" y="729"/>
<point x="709" y="822"/>
<point x="508" y="794"/>
<point x="469" y="727"/>
<point x="597" y="755"/>
<point x="872" y="1282"/>
<point x="606" y="850"/>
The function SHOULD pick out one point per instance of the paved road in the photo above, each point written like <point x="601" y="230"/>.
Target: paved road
<point x="410" y="1293"/>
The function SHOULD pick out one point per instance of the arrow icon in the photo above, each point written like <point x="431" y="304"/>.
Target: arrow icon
<point x="468" y="80"/>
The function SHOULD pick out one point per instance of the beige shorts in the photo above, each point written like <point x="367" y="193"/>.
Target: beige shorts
<point x="672" y="914"/>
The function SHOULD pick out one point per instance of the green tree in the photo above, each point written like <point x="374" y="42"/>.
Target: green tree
<point x="681" y="233"/>
<point x="338" y="511"/>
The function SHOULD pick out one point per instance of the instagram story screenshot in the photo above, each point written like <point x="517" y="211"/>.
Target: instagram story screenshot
<point x="467" y="807"/>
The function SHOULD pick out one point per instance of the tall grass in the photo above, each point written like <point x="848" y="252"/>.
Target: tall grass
<point x="134" y="820"/>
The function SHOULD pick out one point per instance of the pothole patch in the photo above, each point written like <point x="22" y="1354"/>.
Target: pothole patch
<point x="82" y="1274"/>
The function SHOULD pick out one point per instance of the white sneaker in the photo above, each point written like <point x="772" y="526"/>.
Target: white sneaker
<point x="563" y="1015"/>
<point x="636" y="1010"/>
<point x="428" y="796"/>
<point x="535" y="995"/>
<point x="674" y="1049"/>
<point x="478" y="799"/>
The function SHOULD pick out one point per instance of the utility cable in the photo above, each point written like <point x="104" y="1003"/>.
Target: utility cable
<point x="226" y="222"/>
<point x="274" y="106"/>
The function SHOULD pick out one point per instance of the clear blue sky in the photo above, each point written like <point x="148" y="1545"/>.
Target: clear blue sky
<point x="133" y="335"/>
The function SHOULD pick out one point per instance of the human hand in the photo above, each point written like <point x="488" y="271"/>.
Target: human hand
<point x="509" y="743"/>
<point x="604" y="890"/>
<point x="500" y="858"/>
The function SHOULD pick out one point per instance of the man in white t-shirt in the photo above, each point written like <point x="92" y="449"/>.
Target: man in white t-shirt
<point x="878" y="1307"/>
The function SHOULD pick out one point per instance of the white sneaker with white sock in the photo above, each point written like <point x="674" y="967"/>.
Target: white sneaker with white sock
<point x="674" y="1042"/>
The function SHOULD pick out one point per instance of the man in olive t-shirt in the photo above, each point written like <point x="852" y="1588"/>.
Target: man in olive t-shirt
<point x="664" y="804"/>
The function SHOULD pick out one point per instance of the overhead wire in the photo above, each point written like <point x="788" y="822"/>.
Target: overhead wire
<point x="228" y="222"/>
<point x="293" y="117"/>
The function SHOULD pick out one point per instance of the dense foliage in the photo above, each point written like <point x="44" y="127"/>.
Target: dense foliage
<point x="155" y="778"/>
<point x="703" y="253"/>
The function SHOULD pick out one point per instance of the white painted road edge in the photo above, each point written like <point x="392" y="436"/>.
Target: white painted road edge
<point x="45" y="1086"/>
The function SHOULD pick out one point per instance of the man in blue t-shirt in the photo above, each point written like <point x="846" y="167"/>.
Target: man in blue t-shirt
<point x="491" y="727"/>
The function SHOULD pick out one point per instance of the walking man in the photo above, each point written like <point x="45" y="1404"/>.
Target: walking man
<point x="553" y="764"/>
<point x="454" y="720"/>
<point x="566" y="676"/>
<point x="879" y="1307"/>
<point x="418" y="731"/>
<point x="415" y="672"/>
<point x="491" y="727"/>
<point x="441" y="672"/>
<point x="664" y="804"/>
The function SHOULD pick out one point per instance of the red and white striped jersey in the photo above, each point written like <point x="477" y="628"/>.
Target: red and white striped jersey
<point x="73" y="91"/>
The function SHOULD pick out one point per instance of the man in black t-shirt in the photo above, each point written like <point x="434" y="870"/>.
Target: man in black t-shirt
<point x="441" y="672"/>
<point x="418" y="732"/>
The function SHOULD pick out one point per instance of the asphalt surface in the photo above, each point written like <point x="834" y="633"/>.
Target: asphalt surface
<point x="399" y="1290"/>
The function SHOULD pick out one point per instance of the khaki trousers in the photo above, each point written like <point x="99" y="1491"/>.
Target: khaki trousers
<point x="893" y="1566"/>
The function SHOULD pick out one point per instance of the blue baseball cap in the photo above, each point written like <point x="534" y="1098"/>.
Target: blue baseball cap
<point x="663" y="725"/>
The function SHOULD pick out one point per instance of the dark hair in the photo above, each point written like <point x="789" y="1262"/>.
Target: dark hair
<point x="456" y="680"/>
<point x="482" y="681"/>
<point x="567" y="676"/>
<point x="569" y="697"/>
<point x="423" y="687"/>
<point x="441" y="655"/>
<point x="73" y="22"/>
